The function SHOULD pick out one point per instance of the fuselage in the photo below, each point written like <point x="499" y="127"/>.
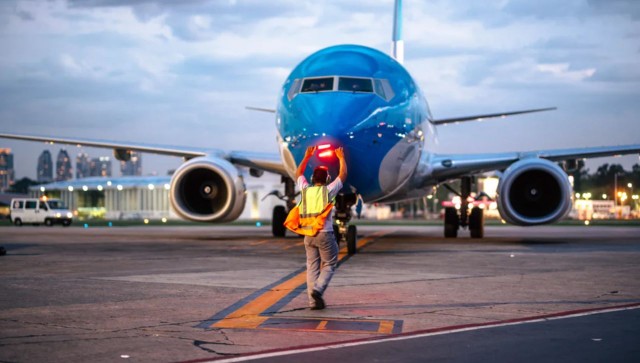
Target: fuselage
<point x="363" y="100"/>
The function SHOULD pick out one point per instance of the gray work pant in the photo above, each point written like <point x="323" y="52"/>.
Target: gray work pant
<point x="322" y="258"/>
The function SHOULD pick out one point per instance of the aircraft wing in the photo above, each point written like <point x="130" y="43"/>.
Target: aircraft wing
<point x="269" y="162"/>
<point x="455" y="165"/>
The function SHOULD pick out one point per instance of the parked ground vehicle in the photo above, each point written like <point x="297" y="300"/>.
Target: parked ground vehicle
<point x="36" y="211"/>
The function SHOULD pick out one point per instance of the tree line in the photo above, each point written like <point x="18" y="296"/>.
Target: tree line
<point x="602" y="181"/>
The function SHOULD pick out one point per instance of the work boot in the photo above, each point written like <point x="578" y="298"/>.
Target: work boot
<point x="319" y="301"/>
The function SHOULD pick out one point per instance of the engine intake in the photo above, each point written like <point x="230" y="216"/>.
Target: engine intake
<point x="208" y="190"/>
<point x="534" y="191"/>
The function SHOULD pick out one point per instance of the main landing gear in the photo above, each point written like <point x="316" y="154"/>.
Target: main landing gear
<point x="343" y="231"/>
<point x="455" y="219"/>
<point x="280" y="212"/>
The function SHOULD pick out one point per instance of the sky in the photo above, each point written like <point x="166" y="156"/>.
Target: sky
<point x="181" y="72"/>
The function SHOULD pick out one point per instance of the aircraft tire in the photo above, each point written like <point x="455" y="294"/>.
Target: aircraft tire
<point x="451" y="222"/>
<point x="277" y="221"/>
<point x="352" y="237"/>
<point x="476" y="223"/>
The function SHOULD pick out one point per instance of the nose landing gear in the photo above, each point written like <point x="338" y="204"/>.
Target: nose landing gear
<point x="344" y="232"/>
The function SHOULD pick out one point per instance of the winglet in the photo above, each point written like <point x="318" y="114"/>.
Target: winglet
<point x="397" y="44"/>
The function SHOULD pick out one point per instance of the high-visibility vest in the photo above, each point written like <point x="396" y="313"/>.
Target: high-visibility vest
<point x="309" y="216"/>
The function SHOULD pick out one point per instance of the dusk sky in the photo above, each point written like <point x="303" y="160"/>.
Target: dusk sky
<point x="181" y="72"/>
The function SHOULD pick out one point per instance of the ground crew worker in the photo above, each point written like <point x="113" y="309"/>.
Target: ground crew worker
<point x="322" y="249"/>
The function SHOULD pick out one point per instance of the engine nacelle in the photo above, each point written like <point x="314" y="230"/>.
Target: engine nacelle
<point x="208" y="190"/>
<point x="534" y="191"/>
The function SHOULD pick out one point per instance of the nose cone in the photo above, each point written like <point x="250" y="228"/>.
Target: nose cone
<point x="331" y="113"/>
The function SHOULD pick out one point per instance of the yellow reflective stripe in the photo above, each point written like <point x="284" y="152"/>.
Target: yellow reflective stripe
<point x="314" y="199"/>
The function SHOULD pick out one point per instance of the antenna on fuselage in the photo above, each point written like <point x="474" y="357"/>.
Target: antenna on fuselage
<point x="397" y="44"/>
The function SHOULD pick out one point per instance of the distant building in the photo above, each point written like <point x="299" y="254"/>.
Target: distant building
<point x="83" y="166"/>
<point x="45" y="167"/>
<point x="132" y="167"/>
<point x="63" y="166"/>
<point x="138" y="197"/>
<point x="7" y="173"/>
<point x="100" y="166"/>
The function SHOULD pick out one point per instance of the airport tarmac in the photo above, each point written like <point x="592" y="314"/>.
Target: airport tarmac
<point x="177" y="294"/>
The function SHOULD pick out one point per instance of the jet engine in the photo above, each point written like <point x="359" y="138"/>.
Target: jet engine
<point x="207" y="189"/>
<point x="533" y="191"/>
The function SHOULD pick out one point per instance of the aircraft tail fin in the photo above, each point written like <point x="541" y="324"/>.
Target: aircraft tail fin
<point x="397" y="44"/>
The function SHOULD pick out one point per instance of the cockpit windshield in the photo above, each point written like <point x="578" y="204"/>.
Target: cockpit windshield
<point x="355" y="84"/>
<point x="317" y="84"/>
<point x="380" y="87"/>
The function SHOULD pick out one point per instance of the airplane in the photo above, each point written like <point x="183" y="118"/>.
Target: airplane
<point x="365" y="101"/>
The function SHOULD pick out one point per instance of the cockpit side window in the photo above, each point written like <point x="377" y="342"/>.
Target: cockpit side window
<point x="317" y="85"/>
<point x="294" y="89"/>
<point x="384" y="90"/>
<point x="355" y="84"/>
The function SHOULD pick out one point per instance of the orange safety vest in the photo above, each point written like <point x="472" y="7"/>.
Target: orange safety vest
<point x="309" y="216"/>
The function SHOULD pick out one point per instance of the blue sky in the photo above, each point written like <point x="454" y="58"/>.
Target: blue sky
<point x="181" y="72"/>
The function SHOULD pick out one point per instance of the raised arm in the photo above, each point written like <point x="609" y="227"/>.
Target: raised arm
<point x="303" y="164"/>
<point x="342" y="174"/>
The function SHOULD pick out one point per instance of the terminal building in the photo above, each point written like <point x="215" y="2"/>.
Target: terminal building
<point x="7" y="173"/>
<point x="145" y="197"/>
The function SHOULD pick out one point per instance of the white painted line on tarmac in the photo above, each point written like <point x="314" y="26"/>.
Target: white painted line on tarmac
<point x="433" y="332"/>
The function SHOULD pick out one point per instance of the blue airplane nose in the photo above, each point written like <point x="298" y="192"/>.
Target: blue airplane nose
<point x="333" y="113"/>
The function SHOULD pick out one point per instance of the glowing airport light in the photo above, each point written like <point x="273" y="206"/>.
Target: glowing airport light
<point x="109" y="183"/>
<point x="70" y="188"/>
<point x="604" y="196"/>
<point x="151" y="186"/>
<point x="146" y="221"/>
<point x="85" y="188"/>
<point x="42" y="189"/>
<point x="577" y="195"/>
<point x="100" y="187"/>
<point x="630" y="185"/>
<point x="119" y="187"/>
<point x="167" y="186"/>
<point x="164" y="220"/>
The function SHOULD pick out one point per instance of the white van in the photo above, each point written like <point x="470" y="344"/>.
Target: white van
<point x="36" y="211"/>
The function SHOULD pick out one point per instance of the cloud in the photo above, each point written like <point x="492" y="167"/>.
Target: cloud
<point x="181" y="72"/>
